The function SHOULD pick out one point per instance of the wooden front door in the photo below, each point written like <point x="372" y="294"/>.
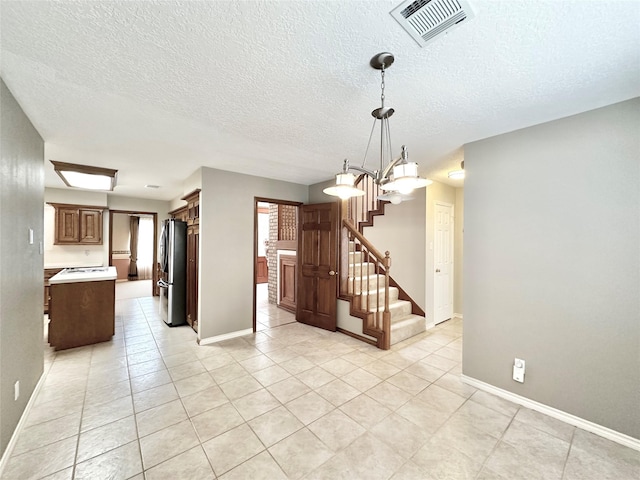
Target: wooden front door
<point x="318" y="265"/>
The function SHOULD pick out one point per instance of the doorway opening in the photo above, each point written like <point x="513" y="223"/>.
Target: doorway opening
<point x="274" y="252"/>
<point x="133" y="240"/>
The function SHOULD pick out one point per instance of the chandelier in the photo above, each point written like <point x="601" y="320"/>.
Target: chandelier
<point x="397" y="177"/>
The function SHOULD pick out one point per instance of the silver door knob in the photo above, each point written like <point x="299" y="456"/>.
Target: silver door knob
<point x="332" y="273"/>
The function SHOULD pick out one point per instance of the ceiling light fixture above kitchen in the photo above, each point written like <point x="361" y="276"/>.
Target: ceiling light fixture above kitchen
<point x="457" y="174"/>
<point x="399" y="175"/>
<point x="85" y="176"/>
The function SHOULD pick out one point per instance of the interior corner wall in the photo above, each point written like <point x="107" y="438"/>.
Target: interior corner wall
<point x="458" y="257"/>
<point x="227" y="203"/>
<point x="436" y="192"/>
<point x="316" y="195"/>
<point x="189" y="184"/>
<point x="120" y="231"/>
<point x="401" y="231"/>
<point x="21" y="263"/>
<point x="552" y="264"/>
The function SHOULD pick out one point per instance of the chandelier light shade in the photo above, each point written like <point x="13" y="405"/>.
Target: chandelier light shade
<point x="405" y="178"/>
<point x="85" y="176"/>
<point x="344" y="187"/>
<point x="396" y="177"/>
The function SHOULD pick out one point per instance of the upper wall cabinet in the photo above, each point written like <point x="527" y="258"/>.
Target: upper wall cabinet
<point x="78" y="224"/>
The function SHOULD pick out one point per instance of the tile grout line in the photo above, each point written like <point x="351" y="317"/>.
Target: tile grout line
<point x="566" y="460"/>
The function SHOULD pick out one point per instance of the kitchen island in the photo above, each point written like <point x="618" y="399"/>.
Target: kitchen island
<point x="82" y="306"/>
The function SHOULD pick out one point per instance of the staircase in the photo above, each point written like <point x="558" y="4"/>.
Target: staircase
<point x="388" y="313"/>
<point x="365" y="282"/>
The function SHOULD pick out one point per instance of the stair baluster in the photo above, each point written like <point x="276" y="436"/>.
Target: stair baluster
<point x="366" y="303"/>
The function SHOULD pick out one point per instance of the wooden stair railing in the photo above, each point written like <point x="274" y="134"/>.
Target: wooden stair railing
<point x="362" y="210"/>
<point x="364" y="280"/>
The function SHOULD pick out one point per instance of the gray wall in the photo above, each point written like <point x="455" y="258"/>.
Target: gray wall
<point x="458" y="257"/>
<point x="401" y="231"/>
<point x="226" y="246"/>
<point x="21" y="264"/>
<point x="316" y="195"/>
<point x="552" y="264"/>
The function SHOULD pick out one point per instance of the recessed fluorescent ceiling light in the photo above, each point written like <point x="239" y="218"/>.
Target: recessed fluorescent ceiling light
<point x="84" y="176"/>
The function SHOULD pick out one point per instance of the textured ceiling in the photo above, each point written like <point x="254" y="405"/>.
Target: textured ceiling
<point x="283" y="89"/>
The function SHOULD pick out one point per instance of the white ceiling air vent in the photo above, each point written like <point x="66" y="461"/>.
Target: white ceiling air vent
<point x="426" y="19"/>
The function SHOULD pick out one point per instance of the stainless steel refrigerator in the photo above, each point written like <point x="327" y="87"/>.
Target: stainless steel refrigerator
<point x="173" y="260"/>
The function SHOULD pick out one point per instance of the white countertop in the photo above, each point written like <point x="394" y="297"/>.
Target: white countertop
<point x="84" y="274"/>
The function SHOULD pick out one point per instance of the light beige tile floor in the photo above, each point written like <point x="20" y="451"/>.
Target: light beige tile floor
<point x="288" y="402"/>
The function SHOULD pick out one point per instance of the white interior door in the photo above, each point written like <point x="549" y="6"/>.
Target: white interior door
<point x="443" y="262"/>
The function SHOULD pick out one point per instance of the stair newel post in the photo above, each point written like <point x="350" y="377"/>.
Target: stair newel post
<point x="379" y="316"/>
<point x="345" y="238"/>
<point x="363" y="250"/>
<point x="386" y="318"/>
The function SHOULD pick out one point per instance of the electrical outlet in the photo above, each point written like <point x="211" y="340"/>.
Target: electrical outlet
<point x="16" y="390"/>
<point x="518" y="370"/>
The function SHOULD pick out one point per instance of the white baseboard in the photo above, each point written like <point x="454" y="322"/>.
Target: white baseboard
<point x="430" y="325"/>
<point x="23" y="419"/>
<point x="226" y="336"/>
<point x="605" y="432"/>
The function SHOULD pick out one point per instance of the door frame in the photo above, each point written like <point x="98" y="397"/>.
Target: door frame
<point x="257" y="200"/>
<point x="452" y="246"/>
<point x="154" y="270"/>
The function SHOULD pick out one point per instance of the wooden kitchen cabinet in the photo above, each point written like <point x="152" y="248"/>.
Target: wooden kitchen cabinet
<point x="48" y="273"/>
<point x="190" y="213"/>
<point x="193" y="246"/>
<point x="67" y="223"/>
<point x="81" y="313"/>
<point x="91" y="226"/>
<point x="287" y="278"/>
<point x="77" y="224"/>
<point x="179" y="213"/>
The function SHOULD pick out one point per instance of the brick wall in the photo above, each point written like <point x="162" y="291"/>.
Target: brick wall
<point x="271" y="253"/>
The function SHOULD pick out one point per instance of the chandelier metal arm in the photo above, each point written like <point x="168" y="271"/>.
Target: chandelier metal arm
<point x="379" y="176"/>
<point x="371" y="173"/>
<point x="387" y="170"/>
<point x="405" y="173"/>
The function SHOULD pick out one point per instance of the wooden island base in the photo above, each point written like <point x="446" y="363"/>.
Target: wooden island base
<point x="81" y="313"/>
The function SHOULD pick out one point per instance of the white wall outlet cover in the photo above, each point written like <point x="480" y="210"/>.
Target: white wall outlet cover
<point x="518" y="370"/>
<point x="31" y="236"/>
